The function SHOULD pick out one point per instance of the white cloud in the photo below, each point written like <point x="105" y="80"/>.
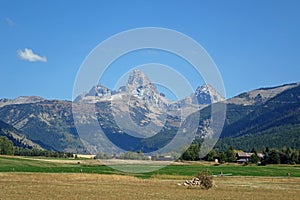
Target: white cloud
<point x="29" y="55"/>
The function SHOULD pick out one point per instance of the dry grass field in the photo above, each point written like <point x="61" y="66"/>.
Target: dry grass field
<point x="95" y="186"/>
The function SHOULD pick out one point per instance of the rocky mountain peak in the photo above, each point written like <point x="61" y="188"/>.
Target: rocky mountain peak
<point x="138" y="82"/>
<point x="137" y="77"/>
<point x="96" y="94"/>
<point x="206" y="94"/>
<point x="140" y="86"/>
<point x="100" y="91"/>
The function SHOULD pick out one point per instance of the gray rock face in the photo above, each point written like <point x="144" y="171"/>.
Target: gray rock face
<point x="100" y="91"/>
<point x="206" y="95"/>
<point x="96" y="94"/>
<point x="139" y="86"/>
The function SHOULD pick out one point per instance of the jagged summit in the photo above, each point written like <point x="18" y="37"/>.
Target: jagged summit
<point x="138" y="78"/>
<point x="206" y="94"/>
<point x="139" y="86"/>
<point x="100" y="91"/>
<point x="96" y="94"/>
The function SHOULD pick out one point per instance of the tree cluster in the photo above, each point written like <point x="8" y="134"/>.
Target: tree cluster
<point x="6" y="146"/>
<point x="271" y="156"/>
<point x="19" y="151"/>
<point x="133" y="156"/>
<point x="283" y="156"/>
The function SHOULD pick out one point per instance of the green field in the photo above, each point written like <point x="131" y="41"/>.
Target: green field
<point x="45" y="165"/>
<point x="19" y="164"/>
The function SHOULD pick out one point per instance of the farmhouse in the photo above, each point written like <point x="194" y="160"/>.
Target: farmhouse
<point x="162" y="158"/>
<point x="260" y="155"/>
<point x="87" y="156"/>
<point x="242" y="157"/>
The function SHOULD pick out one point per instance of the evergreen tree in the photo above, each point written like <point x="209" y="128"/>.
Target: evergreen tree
<point x="192" y="153"/>
<point x="294" y="159"/>
<point x="288" y="155"/>
<point x="254" y="158"/>
<point x="211" y="155"/>
<point x="231" y="155"/>
<point x="254" y="151"/>
<point x="274" y="157"/>
<point x="223" y="158"/>
<point x="6" y="146"/>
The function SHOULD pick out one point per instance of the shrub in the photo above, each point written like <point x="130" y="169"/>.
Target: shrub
<point x="206" y="179"/>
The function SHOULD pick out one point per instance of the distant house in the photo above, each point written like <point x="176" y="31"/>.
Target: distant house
<point x="87" y="156"/>
<point x="162" y="158"/>
<point x="260" y="155"/>
<point x="242" y="157"/>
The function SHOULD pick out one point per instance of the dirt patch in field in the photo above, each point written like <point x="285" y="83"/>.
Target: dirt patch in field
<point x="107" y="162"/>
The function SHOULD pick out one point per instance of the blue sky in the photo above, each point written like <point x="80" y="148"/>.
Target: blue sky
<point x="253" y="43"/>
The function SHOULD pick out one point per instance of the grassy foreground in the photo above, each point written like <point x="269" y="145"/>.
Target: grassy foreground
<point x="97" y="186"/>
<point x="44" y="178"/>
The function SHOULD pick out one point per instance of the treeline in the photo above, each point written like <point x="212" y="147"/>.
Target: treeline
<point x="270" y="156"/>
<point x="129" y="155"/>
<point x="19" y="151"/>
<point x="7" y="148"/>
<point x="283" y="156"/>
<point x="192" y="154"/>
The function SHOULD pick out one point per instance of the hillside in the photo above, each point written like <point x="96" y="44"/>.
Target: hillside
<point x="16" y="136"/>
<point x="281" y="110"/>
<point x="47" y="123"/>
<point x="274" y="123"/>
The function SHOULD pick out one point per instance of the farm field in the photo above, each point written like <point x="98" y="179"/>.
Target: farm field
<point x="96" y="186"/>
<point x="46" y="165"/>
<point x="44" y="178"/>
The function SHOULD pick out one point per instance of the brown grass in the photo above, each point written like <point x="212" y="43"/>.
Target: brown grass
<point x="94" y="186"/>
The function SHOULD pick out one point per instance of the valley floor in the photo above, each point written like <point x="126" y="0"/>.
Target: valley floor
<point x="95" y="186"/>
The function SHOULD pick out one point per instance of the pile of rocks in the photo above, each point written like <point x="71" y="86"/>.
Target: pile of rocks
<point x="194" y="182"/>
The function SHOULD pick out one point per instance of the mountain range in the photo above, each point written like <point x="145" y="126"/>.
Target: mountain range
<point x="258" y="118"/>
